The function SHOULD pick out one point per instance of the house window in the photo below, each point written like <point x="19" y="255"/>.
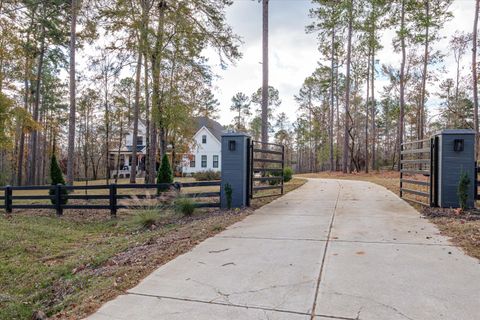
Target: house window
<point x="204" y="138"/>
<point x="140" y="141"/>
<point x="204" y="161"/>
<point x="192" y="162"/>
<point x="215" y="161"/>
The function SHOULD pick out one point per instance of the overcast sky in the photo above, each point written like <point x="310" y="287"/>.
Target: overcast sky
<point x="294" y="54"/>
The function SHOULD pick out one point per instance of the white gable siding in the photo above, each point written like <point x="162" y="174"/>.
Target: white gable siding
<point x="211" y="148"/>
<point x="141" y="133"/>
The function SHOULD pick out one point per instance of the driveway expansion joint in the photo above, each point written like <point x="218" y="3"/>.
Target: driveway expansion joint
<point x="320" y="274"/>
<point x="273" y="239"/>
<point x="394" y="243"/>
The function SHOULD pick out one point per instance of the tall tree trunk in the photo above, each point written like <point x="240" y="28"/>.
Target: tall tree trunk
<point x="21" y="147"/>
<point x="402" y="86"/>
<point x="71" y="117"/>
<point x="85" y="144"/>
<point x="107" y="133"/>
<point x="425" y="74"/>
<point x="337" y="124"/>
<point x="119" y="150"/>
<point x="474" y="74"/>
<point x="332" y="101"/>
<point x="152" y="153"/>
<point x="145" y="46"/>
<point x="346" y="141"/>
<point x="34" y="136"/>
<point x="156" y="101"/>
<point x="41" y="146"/>
<point x="148" y="123"/>
<point x="373" y="113"/>
<point x="265" y="73"/>
<point x="310" y="141"/>
<point x="136" y="112"/>
<point x="366" y="111"/>
<point x="457" y="82"/>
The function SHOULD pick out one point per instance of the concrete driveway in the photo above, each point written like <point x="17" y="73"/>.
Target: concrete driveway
<point x="332" y="249"/>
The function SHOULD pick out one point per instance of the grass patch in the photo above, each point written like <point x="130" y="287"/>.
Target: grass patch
<point x="184" y="205"/>
<point x="67" y="267"/>
<point x="147" y="219"/>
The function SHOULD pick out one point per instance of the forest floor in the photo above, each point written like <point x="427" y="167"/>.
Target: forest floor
<point x="462" y="227"/>
<point x="67" y="267"/>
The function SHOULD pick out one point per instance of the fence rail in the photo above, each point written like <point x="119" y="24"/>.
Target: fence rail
<point x="61" y="194"/>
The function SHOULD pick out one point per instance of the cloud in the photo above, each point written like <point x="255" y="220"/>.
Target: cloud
<point x="294" y="54"/>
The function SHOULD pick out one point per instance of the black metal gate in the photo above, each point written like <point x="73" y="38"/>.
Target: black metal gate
<point x="418" y="171"/>
<point x="267" y="163"/>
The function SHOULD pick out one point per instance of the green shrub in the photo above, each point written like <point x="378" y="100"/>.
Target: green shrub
<point x="462" y="192"/>
<point x="208" y="175"/>
<point x="185" y="206"/>
<point x="228" y="194"/>
<point x="165" y="174"/>
<point x="275" y="174"/>
<point x="56" y="177"/>
<point x="287" y="174"/>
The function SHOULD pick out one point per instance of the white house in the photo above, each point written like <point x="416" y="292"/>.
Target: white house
<point x="121" y="156"/>
<point x="205" y="151"/>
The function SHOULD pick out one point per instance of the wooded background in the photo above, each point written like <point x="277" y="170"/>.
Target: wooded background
<point x="145" y="60"/>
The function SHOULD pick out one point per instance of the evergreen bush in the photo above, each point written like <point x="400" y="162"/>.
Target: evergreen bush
<point x="228" y="194"/>
<point x="56" y="177"/>
<point x="165" y="174"/>
<point x="462" y="192"/>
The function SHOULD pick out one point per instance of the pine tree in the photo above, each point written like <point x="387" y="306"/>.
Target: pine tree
<point x="241" y="107"/>
<point x="165" y="174"/>
<point x="56" y="177"/>
<point x="462" y="192"/>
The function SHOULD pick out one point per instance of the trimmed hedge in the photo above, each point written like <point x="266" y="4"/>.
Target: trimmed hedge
<point x="208" y="175"/>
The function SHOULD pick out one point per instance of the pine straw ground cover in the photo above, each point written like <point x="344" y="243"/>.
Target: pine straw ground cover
<point x="462" y="227"/>
<point x="67" y="267"/>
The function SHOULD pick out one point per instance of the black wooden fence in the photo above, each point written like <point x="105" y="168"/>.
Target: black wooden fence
<point x="61" y="194"/>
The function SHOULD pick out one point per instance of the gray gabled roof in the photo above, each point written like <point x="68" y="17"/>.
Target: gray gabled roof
<point x="213" y="126"/>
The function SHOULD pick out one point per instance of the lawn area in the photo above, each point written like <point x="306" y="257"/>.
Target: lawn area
<point x="67" y="267"/>
<point x="463" y="229"/>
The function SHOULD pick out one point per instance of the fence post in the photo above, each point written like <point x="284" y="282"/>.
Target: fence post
<point x="113" y="200"/>
<point x="8" y="199"/>
<point x="177" y="186"/>
<point x="235" y="170"/>
<point x="58" y="199"/>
